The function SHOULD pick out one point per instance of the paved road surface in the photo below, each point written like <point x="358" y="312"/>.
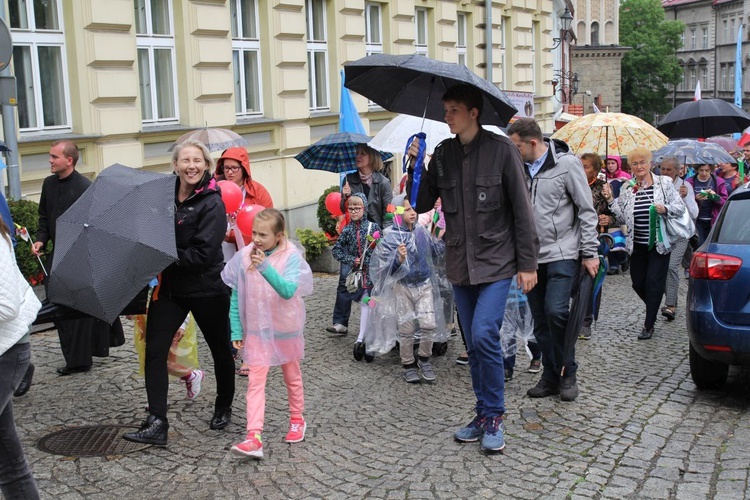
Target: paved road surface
<point x="638" y="430"/>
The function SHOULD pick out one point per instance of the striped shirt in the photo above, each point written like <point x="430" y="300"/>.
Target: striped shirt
<point x="644" y="198"/>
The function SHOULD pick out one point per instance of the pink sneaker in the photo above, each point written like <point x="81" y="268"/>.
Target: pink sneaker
<point x="296" y="431"/>
<point x="193" y="384"/>
<point x="250" y="447"/>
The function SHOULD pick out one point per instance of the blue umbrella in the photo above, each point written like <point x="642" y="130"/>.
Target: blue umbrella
<point x="349" y="121"/>
<point x="335" y="152"/>
<point x="692" y="152"/>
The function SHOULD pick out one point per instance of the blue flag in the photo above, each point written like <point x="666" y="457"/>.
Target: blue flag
<point x="349" y="120"/>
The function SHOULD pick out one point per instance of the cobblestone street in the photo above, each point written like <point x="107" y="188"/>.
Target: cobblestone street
<point x="639" y="428"/>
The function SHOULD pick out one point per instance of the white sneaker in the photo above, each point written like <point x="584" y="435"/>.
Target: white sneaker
<point x="193" y="384"/>
<point x="337" y="328"/>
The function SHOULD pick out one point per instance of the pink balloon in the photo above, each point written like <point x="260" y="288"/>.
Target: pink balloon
<point x="246" y="217"/>
<point x="333" y="204"/>
<point x="231" y="195"/>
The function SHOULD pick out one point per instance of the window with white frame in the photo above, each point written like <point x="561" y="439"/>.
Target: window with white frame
<point x="682" y="40"/>
<point x="39" y="64"/>
<point x="692" y="77"/>
<point x="503" y="43"/>
<point x="461" y="36"/>
<point x="726" y="31"/>
<point x="373" y="28"/>
<point x="594" y="33"/>
<point x="317" y="54"/>
<point x="704" y="77"/>
<point x="705" y="38"/>
<point x="246" y="57"/>
<point x="692" y="39"/>
<point x="723" y="77"/>
<point x="420" y="28"/>
<point x="730" y="76"/>
<point x="682" y="85"/>
<point x="156" y="60"/>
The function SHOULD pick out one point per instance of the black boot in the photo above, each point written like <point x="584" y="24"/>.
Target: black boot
<point x="221" y="418"/>
<point x="153" y="431"/>
<point x="25" y="384"/>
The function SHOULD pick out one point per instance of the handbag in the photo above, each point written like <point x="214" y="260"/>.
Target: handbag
<point x="678" y="228"/>
<point x="356" y="277"/>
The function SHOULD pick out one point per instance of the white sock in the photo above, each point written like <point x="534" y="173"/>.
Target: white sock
<point x="364" y="313"/>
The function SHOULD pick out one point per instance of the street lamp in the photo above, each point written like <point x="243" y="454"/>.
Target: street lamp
<point x="566" y="19"/>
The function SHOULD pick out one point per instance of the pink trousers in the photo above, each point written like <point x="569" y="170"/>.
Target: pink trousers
<point x="256" y="394"/>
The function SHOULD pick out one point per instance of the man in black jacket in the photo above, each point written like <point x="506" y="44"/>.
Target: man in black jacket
<point x="80" y="339"/>
<point x="490" y="237"/>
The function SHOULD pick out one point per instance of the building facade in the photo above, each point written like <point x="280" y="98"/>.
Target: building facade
<point x="125" y="78"/>
<point x="597" y="56"/>
<point x="709" y="48"/>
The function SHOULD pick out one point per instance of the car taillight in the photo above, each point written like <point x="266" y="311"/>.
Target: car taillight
<point x="714" y="266"/>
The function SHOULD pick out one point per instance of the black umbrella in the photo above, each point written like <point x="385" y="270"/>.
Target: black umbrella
<point x="581" y="295"/>
<point x="414" y="85"/>
<point x="51" y="312"/>
<point x="113" y="241"/>
<point x="704" y="118"/>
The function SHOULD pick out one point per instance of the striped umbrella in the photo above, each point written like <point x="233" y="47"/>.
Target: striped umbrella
<point x="335" y="152"/>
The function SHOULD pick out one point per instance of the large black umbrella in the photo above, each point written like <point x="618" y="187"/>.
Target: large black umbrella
<point x="581" y="295"/>
<point x="112" y="241"/>
<point x="704" y="118"/>
<point x="414" y="85"/>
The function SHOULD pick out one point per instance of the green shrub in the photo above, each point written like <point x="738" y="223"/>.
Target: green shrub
<point x="313" y="241"/>
<point x="326" y="221"/>
<point x="25" y="213"/>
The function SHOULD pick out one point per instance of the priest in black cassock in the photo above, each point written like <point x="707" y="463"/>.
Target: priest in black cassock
<point x="80" y="339"/>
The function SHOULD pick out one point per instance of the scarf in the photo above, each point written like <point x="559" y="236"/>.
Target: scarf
<point x="366" y="179"/>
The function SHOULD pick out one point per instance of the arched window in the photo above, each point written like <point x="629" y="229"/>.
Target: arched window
<point x="595" y="33"/>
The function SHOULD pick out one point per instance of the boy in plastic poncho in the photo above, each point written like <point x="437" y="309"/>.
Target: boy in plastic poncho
<point x="406" y="293"/>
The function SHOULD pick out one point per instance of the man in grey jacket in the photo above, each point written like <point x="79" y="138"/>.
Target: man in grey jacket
<point x="566" y="224"/>
<point x="489" y="238"/>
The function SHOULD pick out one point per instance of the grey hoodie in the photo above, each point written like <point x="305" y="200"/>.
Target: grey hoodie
<point x="563" y="207"/>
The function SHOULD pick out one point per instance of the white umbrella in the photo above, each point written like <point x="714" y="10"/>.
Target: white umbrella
<point x="393" y="136"/>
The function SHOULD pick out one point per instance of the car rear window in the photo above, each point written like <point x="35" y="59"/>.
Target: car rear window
<point x="735" y="222"/>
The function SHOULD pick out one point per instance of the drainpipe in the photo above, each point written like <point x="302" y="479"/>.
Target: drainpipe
<point x="9" y="131"/>
<point x="488" y="38"/>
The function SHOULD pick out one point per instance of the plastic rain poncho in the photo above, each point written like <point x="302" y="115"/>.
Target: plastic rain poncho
<point x="518" y="325"/>
<point x="418" y="269"/>
<point x="273" y="327"/>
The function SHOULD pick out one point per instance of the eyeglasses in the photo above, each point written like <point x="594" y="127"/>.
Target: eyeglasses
<point x="232" y="169"/>
<point x="643" y="163"/>
<point x="355" y="209"/>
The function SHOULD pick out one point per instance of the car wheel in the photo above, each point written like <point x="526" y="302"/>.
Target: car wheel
<point x="706" y="374"/>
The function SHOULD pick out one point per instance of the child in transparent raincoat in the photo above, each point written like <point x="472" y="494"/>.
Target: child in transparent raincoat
<point x="406" y="296"/>
<point x="268" y="279"/>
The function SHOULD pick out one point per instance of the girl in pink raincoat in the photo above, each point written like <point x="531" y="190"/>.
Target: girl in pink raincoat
<point x="268" y="279"/>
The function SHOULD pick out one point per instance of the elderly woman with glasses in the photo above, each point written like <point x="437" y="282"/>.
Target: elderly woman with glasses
<point x="649" y="258"/>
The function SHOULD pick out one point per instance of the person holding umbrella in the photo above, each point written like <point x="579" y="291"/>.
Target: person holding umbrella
<point x="649" y="257"/>
<point x="192" y="284"/>
<point x="490" y="236"/>
<point x="566" y="222"/>
<point x="670" y="166"/>
<point x="377" y="191"/>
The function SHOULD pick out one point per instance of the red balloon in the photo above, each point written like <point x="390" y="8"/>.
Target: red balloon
<point x="333" y="204"/>
<point x="231" y="195"/>
<point x="246" y="217"/>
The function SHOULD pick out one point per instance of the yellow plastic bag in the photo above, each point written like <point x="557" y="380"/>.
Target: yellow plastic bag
<point x="183" y="353"/>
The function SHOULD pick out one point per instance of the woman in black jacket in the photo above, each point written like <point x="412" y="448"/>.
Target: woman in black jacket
<point x="192" y="284"/>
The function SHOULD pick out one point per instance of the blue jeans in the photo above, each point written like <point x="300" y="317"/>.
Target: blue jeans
<point x="702" y="228"/>
<point x="343" y="307"/>
<point x="16" y="480"/>
<point x="550" y="306"/>
<point x="481" y="309"/>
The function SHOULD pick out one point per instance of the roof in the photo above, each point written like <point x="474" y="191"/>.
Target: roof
<point x="672" y="3"/>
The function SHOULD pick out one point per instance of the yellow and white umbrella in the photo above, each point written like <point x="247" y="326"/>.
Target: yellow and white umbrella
<point x="610" y="134"/>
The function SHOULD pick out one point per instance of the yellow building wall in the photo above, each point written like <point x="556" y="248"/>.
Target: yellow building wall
<point x="103" y="80"/>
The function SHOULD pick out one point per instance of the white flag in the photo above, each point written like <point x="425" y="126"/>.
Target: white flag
<point x="697" y="96"/>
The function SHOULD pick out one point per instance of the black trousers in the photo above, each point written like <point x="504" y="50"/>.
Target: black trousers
<point x="648" y="272"/>
<point x="165" y="316"/>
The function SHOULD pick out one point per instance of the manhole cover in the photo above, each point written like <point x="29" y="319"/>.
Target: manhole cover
<point x="90" y="441"/>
